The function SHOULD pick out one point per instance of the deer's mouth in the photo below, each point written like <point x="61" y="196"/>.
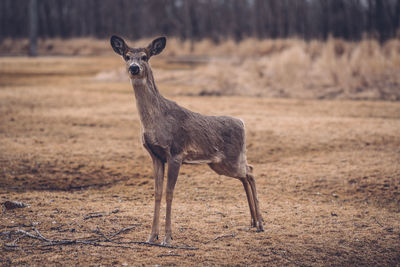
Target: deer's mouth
<point x="138" y="76"/>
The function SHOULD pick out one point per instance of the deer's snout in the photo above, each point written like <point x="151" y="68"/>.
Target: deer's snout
<point x="134" y="69"/>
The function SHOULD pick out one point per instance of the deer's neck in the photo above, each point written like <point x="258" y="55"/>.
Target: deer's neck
<point x="150" y="103"/>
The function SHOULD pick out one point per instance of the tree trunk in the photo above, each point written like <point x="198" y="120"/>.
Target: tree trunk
<point x="33" y="27"/>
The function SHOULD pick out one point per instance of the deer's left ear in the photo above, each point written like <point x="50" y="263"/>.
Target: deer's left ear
<point x="118" y="44"/>
<point x="157" y="46"/>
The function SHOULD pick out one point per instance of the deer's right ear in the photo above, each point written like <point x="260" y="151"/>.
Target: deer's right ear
<point x="118" y="44"/>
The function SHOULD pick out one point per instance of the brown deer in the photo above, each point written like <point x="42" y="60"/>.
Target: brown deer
<point x="174" y="135"/>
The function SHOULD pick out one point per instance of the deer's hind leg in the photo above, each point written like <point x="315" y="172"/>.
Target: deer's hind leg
<point x="252" y="182"/>
<point x="243" y="172"/>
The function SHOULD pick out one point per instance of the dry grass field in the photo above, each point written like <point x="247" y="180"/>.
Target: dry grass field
<point x="283" y="68"/>
<point x="327" y="171"/>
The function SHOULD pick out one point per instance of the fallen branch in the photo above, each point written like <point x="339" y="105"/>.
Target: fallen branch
<point x="40" y="235"/>
<point x="84" y="242"/>
<point x="168" y="255"/>
<point x="103" y="235"/>
<point x="99" y="214"/>
<point x="123" y="230"/>
<point x="103" y="238"/>
<point x="20" y="231"/>
<point x="378" y="222"/>
<point x="154" y="245"/>
<point x="10" y="245"/>
<point x="50" y="242"/>
<point x="110" y="239"/>
<point x="94" y="215"/>
<point x="19" y="225"/>
<point x="225" y="236"/>
<point x="283" y="255"/>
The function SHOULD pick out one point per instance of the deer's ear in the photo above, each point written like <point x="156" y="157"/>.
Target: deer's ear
<point x="118" y="44"/>
<point x="157" y="46"/>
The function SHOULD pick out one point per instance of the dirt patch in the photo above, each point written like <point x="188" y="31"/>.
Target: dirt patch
<point x="327" y="173"/>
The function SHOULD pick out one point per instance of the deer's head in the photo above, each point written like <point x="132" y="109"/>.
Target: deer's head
<point x="137" y="59"/>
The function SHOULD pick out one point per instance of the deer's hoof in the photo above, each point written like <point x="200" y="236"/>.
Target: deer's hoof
<point x="167" y="241"/>
<point x="152" y="238"/>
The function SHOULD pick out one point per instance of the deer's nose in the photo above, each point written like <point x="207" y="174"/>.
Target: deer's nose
<point x="134" y="69"/>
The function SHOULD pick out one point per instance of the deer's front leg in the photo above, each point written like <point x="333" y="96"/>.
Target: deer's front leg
<point x="158" y="167"/>
<point x="174" y="165"/>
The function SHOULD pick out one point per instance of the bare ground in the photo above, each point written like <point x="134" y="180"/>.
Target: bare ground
<point x="328" y="175"/>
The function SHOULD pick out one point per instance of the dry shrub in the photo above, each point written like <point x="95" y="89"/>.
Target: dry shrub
<point x="290" y="66"/>
<point x="314" y="49"/>
<point x="14" y="46"/>
<point x="294" y="68"/>
<point x="175" y="47"/>
<point x="363" y="70"/>
<point x="278" y="68"/>
<point x="254" y="47"/>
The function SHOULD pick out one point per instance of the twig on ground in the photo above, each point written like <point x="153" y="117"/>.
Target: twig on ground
<point x="19" y="225"/>
<point x="93" y="215"/>
<point x="63" y="242"/>
<point x="99" y="214"/>
<point x="224" y="236"/>
<point x="220" y="213"/>
<point x="10" y="245"/>
<point x="40" y="235"/>
<point x="58" y="228"/>
<point x="84" y="242"/>
<point x="20" y="231"/>
<point x="6" y="233"/>
<point x="378" y="222"/>
<point x="283" y="255"/>
<point x="110" y="239"/>
<point x="168" y="255"/>
<point x="154" y="245"/>
<point x="102" y="235"/>
<point x="123" y="230"/>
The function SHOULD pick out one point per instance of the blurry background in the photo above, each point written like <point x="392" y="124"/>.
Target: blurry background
<point x="198" y="19"/>
<point x="346" y="49"/>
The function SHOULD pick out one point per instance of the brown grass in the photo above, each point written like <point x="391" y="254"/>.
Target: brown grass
<point x="327" y="172"/>
<point x="293" y="68"/>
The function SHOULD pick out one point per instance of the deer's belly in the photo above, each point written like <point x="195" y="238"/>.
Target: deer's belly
<point x="197" y="157"/>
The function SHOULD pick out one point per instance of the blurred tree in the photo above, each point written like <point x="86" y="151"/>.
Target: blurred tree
<point x="33" y="27"/>
<point x="197" y="19"/>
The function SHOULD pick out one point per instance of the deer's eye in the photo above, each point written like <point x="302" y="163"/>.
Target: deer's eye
<point x="144" y="58"/>
<point x="127" y="57"/>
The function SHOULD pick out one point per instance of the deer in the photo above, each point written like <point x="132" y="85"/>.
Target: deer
<point x="174" y="135"/>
